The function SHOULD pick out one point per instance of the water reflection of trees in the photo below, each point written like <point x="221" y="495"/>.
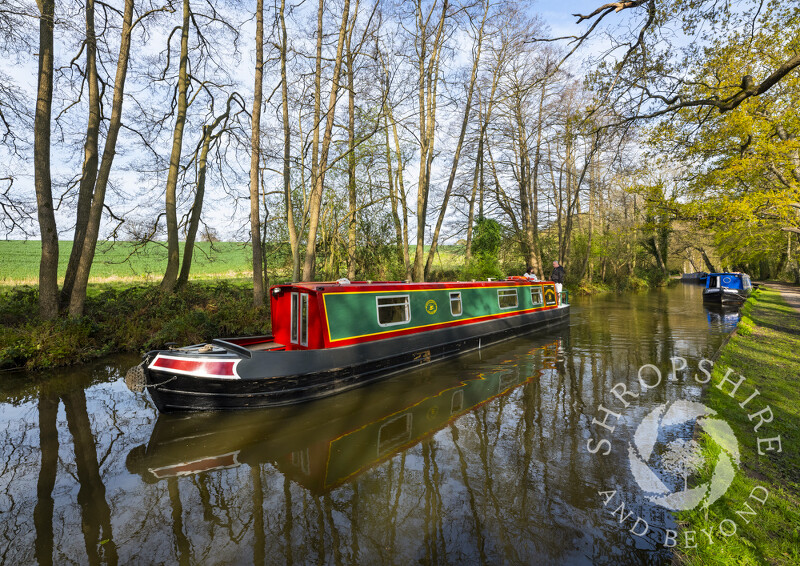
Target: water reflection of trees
<point x="509" y="481"/>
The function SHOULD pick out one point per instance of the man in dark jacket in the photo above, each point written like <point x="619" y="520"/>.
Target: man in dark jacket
<point x="557" y="276"/>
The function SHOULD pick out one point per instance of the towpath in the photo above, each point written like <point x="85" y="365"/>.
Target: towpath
<point x="790" y="293"/>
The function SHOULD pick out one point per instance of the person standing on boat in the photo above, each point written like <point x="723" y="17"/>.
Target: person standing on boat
<point x="530" y="275"/>
<point x="557" y="276"/>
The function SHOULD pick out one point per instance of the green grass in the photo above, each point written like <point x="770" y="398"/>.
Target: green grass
<point x="766" y="351"/>
<point x="19" y="260"/>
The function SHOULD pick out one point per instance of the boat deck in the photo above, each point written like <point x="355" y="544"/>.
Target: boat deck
<point x="260" y="347"/>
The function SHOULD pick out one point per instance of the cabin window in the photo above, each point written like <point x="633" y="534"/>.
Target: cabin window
<point x="507" y="298"/>
<point x="293" y="323"/>
<point x="536" y="296"/>
<point x="304" y="320"/>
<point x="455" y="304"/>
<point x="393" y="310"/>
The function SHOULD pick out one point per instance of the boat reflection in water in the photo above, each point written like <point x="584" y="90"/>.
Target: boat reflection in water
<point x="324" y="444"/>
<point x="723" y="316"/>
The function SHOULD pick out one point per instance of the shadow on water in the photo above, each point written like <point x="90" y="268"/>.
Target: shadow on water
<point x="482" y="459"/>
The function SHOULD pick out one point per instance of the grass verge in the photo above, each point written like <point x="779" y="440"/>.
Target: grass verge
<point x="124" y="318"/>
<point x="766" y="351"/>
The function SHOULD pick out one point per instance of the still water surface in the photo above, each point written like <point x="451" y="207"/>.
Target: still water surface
<point x="482" y="459"/>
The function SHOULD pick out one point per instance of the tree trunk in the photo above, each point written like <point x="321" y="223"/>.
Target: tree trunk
<point x="255" y="154"/>
<point x="315" y="207"/>
<point x="173" y="251"/>
<point x="428" y="86"/>
<point x="477" y="178"/>
<point x="48" y="264"/>
<point x="197" y="208"/>
<point x="707" y="261"/>
<point x="294" y="242"/>
<point x="536" y="261"/>
<point x="78" y="296"/>
<point x="351" y="160"/>
<point x="398" y="228"/>
<point x="459" y="145"/>
<point x="587" y="257"/>
<point x="90" y="156"/>
<point x="401" y="192"/>
<point x="524" y="181"/>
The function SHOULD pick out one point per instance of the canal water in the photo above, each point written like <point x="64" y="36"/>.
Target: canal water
<point x="484" y="459"/>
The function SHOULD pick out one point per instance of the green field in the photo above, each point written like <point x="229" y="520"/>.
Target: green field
<point x="19" y="260"/>
<point x="127" y="261"/>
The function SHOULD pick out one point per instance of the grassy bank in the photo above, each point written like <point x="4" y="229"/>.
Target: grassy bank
<point x="128" y="318"/>
<point x="766" y="351"/>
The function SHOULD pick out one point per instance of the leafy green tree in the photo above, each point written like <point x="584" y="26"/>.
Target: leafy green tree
<point x="485" y="248"/>
<point x="742" y="167"/>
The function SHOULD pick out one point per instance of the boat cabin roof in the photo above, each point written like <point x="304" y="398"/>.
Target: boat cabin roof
<point x="378" y="286"/>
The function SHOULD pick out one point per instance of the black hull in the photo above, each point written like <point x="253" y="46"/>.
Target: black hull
<point x="276" y="378"/>
<point x="725" y="296"/>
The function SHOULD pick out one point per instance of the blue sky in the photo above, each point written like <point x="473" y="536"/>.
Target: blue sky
<point x="559" y="14"/>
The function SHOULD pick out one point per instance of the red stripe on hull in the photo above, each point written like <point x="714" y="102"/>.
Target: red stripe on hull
<point x="198" y="367"/>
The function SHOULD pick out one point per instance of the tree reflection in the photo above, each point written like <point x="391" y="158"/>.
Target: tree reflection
<point x="48" y="445"/>
<point x="182" y="545"/>
<point x="479" y="460"/>
<point x="96" y="516"/>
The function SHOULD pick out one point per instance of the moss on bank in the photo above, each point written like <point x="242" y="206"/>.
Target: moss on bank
<point x="766" y="351"/>
<point x="123" y="318"/>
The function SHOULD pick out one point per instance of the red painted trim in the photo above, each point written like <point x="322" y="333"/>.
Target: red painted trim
<point x="386" y="286"/>
<point x="422" y="329"/>
<point x="399" y="287"/>
<point x="209" y="368"/>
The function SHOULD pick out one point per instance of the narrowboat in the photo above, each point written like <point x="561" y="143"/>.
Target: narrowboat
<point x="329" y="442"/>
<point x="699" y="277"/>
<point x="334" y="336"/>
<point x="727" y="288"/>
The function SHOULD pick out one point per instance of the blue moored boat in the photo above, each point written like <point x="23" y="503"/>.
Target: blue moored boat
<point x="726" y="288"/>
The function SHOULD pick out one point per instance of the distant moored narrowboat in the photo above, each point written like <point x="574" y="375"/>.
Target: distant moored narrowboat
<point x="331" y="337"/>
<point x="726" y="288"/>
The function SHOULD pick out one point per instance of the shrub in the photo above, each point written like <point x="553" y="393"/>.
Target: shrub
<point x="124" y="319"/>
